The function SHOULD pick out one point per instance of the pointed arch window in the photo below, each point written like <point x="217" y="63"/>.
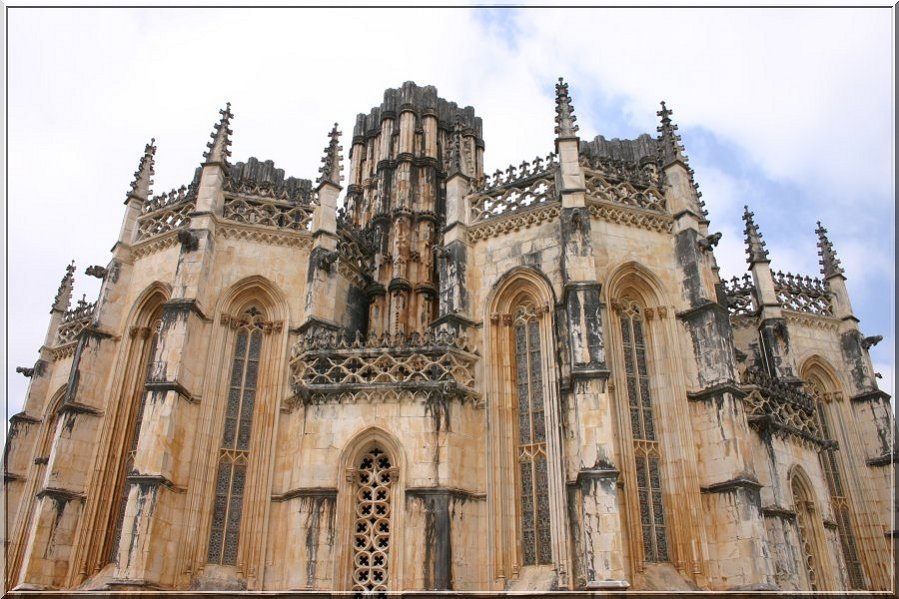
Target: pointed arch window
<point x="234" y="450"/>
<point x="805" y="525"/>
<point x="534" y="517"/>
<point x="151" y="335"/>
<point x="830" y="463"/>
<point x="647" y="454"/>
<point x="375" y="475"/>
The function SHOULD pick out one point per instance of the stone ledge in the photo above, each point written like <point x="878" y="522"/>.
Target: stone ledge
<point x="731" y="485"/>
<point x="57" y="493"/>
<point x="883" y="460"/>
<point x="79" y="408"/>
<point x="175" y="386"/>
<point x="776" y="511"/>
<point x="871" y="396"/>
<point x="154" y="480"/>
<point x="710" y="392"/>
<point x="455" y="492"/>
<point x="306" y="492"/>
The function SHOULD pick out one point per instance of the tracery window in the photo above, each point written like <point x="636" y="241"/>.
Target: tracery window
<point x="371" y="540"/>
<point x="536" y="542"/>
<point x="134" y="431"/>
<point x="805" y="524"/>
<point x="838" y="500"/>
<point x="234" y="451"/>
<point x="647" y="456"/>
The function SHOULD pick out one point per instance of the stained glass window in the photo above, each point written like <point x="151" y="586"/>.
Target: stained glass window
<point x="230" y="479"/>
<point x="371" y="540"/>
<point x="647" y="455"/>
<point x="134" y="433"/>
<point x="533" y="475"/>
<point x="839" y="502"/>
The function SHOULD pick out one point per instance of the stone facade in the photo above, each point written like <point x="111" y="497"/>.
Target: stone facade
<point x="531" y="380"/>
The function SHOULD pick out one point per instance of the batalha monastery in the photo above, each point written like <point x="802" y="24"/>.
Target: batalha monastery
<point x="530" y="380"/>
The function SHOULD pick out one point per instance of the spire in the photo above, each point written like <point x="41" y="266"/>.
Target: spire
<point x="220" y="146"/>
<point x="64" y="293"/>
<point x="455" y="150"/>
<point x="140" y="187"/>
<point x="754" y="243"/>
<point x="331" y="167"/>
<point x="670" y="148"/>
<point x="830" y="264"/>
<point x="565" y="117"/>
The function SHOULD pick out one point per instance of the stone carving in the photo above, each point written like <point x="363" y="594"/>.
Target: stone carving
<point x="74" y="321"/>
<point x="96" y="271"/>
<point x="267" y="213"/>
<point x="754" y="244"/>
<point x="565" y="117"/>
<point x="624" y="193"/>
<point x="803" y="294"/>
<point x="503" y="200"/>
<point x="740" y="293"/>
<point x="785" y="409"/>
<point x="830" y="264"/>
<point x="26" y="372"/>
<point x="219" y="149"/>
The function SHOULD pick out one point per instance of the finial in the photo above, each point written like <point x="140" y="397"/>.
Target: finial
<point x="565" y="117"/>
<point x="64" y="293"/>
<point x="331" y="167"/>
<point x="754" y="244"/>
<point x="830" y="264"/>
<point x="220" y="146"/>
<point x="670" y="148"/>
<point x="140" y="187"/>
<point x="455" y="150"/>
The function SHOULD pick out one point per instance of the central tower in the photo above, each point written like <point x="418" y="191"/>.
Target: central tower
<point x="399" y="160"/>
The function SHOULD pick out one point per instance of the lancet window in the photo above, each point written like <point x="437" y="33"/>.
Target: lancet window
<point x="805" y="525"/>
<point x="234" y="450"/>
<point x="839" y="502"/>
<point x="152" y="337"/>
<point x="374" y="478"/>
<point x="532" y="456"/>
<point x="647" y="454"/>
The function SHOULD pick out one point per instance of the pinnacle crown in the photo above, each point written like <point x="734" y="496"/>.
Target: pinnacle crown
<point x="830" y="264"/>
<point x="755" y="246"/>
<point x="64" y="293"/>
<point x="143" y="176"/>
<point x="330" y="170"/>
<point x="565" y="116"/>
<point x="670" y="147"/>
<point x="219" y="149"/>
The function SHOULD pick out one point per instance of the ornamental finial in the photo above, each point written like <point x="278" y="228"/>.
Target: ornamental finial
<point x="331" y="167"/>
<point x="220" y="146"/>
<point x="754" y="244"/>
<point x="670" y="148"/>
<point x="64" y="293"/>
<point x="830" y="264"/>
<point x="143" y="176"/>
<point x="565" y="116"/>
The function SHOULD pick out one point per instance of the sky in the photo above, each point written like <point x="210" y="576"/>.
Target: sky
<point x="787" y="110"/>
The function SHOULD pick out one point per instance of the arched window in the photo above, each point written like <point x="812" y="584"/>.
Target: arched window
<point x="533" y="484"/>
<point x="145" y="351"/>
<point x="830" y="463"/>
<point x="647" y="454"/>
<point x="234" y="450"/>
<point x="374" y="478"/>
<point x="806" y="517"/>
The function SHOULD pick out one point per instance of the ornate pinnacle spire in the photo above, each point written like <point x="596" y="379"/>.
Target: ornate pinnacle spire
<point x="455" y="150"/>
<point x="64" y="293"/>
<point x="220" y="146"/>
<point x="670" y="148"/>
<point x="140" y="187"/>
<point x="565" y="117"/>
<point x="331" y="167"/>
<point x="754" y="244"/>
<point x="830" y="264"/>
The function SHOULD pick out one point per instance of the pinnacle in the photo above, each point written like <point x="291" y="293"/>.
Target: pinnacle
<point x="754" y="244"/>
<point x="565" y="116"/>
<point x="331" y="167"/>
<point x="64" y="293"/>
<point x="830" y="264"/>
<point x="140" y="187"/>
<point x="670" y="148"/>
<point x="455" y="150"/>
<point x="220" y="146"/>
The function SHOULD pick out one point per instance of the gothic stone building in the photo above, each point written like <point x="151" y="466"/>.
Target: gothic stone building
<point x="535" y="379"/>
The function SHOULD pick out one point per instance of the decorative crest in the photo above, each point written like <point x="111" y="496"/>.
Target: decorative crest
<point x="670" y="148"/>
<point x="455" y="151"/>
<point x="754" y="244"/>
<point x="140" y="187"/>
<point x="565" y="117"/>
<point x="830" y="264"/>
<point x="64" y="293"/>
<point x="220" y="146"/>
<point x="331" y="167"/>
